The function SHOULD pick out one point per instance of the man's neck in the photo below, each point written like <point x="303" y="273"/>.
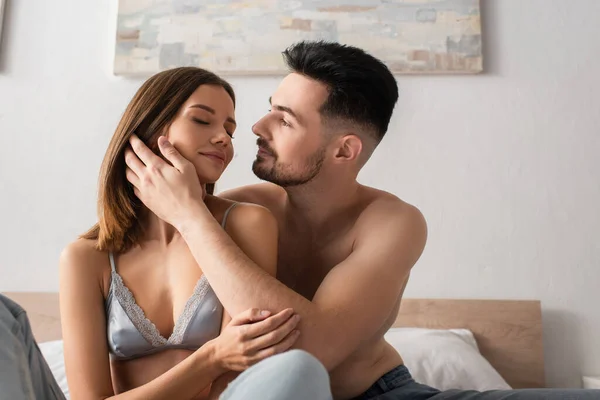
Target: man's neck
<point x="318" y="201"/>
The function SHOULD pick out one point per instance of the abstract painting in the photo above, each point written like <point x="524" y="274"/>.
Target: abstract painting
<point x="235" y="37"/>
<point x="2" y="5"/>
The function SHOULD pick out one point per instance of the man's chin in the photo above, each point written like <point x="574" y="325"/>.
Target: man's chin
<point x="262" y="171"/>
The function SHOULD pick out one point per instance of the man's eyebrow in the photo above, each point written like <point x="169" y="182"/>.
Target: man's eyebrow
<point x="212" y="111"/>
<point x="284" y="109"/>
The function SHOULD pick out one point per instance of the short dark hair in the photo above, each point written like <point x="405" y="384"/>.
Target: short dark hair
<point x="361" y="88"/>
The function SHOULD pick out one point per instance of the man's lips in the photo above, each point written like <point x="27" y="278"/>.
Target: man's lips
<point x="264" y="152"/>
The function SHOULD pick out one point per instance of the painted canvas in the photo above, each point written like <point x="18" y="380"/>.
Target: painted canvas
<point x="2" y="5"/>
<point x="233" y="37"/>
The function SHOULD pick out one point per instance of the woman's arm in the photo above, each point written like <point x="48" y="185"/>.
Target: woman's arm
<point x="220" y="384"/>
<point x="84" y="333"/>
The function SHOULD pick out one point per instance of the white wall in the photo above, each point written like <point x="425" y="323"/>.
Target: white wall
<point x="504" y="165"/>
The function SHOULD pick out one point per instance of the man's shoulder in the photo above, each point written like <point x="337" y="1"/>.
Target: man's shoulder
<point x="378" y="201"/>
<point x="382" y="209"/>
<point x="264" y="194"/>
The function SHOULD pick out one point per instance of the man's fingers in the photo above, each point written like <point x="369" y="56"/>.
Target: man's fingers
<point x="143" y="152"/>
<point x="171" y="154"/>
<point x="270" y="324"/>
<point x="134" y="162"/>
<point x="132" y="177"/>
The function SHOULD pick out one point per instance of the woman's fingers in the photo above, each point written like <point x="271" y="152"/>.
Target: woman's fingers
<point x="269" y="324"/>
<point x="276" y="335"/>
<point x="277" y="348"/>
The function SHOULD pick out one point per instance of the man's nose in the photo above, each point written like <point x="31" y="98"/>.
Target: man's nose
<point x="259" y="128"/>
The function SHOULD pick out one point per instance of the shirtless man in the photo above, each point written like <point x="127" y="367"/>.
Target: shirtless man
<point x="345" y="250"/>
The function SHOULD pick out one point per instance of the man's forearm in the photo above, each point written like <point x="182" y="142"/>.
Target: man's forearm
<point x="241" y="284"/>
<point x="238" y="282"/>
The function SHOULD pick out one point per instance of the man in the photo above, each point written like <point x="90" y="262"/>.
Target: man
<point x="345" y="250"/>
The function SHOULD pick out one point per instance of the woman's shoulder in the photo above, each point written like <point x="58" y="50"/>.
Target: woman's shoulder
<point x="250" y="216"/>
<point x="82" y="258"/>
<point x="240" y="214"/>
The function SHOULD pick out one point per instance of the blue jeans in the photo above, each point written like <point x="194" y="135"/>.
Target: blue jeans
<point x="398" y="384"/>
<point x="24" y="373"/>
<point x="293" y="375"/>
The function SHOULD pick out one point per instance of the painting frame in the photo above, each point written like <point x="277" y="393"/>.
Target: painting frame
<point x="2" y="8"/>
<point x="148" y="41"/>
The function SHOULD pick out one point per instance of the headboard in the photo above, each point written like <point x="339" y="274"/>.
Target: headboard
<point x="43" y="312"/>
<point x="508" y="332"/>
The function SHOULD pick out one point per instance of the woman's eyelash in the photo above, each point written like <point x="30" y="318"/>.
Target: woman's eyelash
<point x="200" y="121"/>
<point x="208" y="123"/>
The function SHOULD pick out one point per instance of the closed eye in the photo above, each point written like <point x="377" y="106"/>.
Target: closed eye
<point x="200" y="121"/>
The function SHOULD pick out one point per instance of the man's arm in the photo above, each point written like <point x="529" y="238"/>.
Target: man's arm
<point x="351" y="304"/>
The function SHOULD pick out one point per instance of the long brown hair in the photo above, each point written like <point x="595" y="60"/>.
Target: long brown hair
<point x="151" y="110"/>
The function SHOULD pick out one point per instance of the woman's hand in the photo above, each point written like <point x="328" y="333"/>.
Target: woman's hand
<point x="253" y="336"/>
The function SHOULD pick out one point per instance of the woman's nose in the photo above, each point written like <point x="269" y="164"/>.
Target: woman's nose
<point x="222" y="137"/>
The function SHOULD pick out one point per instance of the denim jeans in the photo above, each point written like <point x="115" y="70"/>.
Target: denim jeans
<point x="24" y="373"/>
<point x="398" y="384"/>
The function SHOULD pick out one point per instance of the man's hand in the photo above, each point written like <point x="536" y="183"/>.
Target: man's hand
<point x="173" y="193"/>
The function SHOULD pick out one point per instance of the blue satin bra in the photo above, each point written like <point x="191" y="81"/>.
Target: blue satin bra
<point x="132" y="335"/>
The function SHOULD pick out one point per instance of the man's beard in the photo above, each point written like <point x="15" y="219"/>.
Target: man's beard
<point x="286" y="175"/>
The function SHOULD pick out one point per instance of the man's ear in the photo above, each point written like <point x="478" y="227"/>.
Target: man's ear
<point x="349" y="148"/>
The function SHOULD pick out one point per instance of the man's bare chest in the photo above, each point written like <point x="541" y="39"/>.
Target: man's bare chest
<point x="304" y="262"/>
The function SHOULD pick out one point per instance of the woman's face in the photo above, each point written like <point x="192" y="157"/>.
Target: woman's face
<point x="202" y="131"/>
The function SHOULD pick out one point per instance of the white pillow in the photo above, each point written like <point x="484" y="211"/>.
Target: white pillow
<point x="445" y="359"/>
<point x="53" y="353"/>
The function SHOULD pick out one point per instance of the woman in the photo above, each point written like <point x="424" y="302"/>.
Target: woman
<point x="139" y="319"/>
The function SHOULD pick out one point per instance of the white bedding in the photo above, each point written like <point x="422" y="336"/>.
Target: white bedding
<point x="444" y="359"/>
<point x="53" y="353"/>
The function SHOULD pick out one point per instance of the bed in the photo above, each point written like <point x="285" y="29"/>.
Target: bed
<point x="465" y="344"/>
